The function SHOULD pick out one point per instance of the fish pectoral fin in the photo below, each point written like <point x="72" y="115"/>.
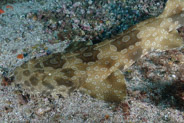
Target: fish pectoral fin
<point x="117" y="91"/>
<point x="111" y="89"/>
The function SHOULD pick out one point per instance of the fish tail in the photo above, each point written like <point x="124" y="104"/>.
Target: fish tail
<point x="173" y="7"/>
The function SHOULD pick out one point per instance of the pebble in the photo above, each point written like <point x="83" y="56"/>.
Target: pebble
<point x="90" y="2"/>
<point x="42" y="111"/>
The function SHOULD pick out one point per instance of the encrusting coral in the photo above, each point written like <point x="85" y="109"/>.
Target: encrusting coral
<point x="96" y="69"/>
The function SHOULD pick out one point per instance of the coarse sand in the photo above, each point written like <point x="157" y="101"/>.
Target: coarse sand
<point x="24" y="31"/>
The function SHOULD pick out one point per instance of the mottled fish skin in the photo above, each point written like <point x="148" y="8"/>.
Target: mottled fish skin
<point x="96" y="69"/>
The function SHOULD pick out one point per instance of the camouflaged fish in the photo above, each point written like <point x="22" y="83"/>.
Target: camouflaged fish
<point x="95" y="69"/>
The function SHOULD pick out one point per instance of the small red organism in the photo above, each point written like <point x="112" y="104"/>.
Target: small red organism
<point x="2" y="11"/>
<point x="9" y="7"/>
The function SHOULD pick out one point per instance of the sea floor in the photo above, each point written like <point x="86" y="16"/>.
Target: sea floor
<point x="34" y="28"/>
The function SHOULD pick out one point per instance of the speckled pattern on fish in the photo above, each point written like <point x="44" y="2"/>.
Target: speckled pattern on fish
<point x="96" y="69"/>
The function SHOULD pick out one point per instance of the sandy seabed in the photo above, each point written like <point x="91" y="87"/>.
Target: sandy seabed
<point x="23" y="30"/>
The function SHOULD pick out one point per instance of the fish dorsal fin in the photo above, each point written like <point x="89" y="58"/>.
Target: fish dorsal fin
<point x="173" y="7"/>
